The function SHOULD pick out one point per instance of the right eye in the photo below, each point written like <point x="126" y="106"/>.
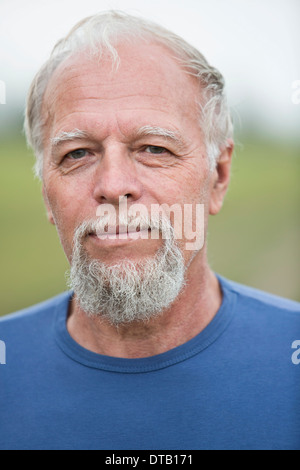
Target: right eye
<point x="76" y="154"/>
<point x="155" y="150"/>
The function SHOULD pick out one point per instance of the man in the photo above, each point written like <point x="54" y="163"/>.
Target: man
<point x="150" y="349"/>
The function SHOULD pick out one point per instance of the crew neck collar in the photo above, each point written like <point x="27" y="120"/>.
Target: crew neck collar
<point x="149" y="364"/>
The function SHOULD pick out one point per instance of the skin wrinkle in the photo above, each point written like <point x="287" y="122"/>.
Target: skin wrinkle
<point x="81" y="112"/>
<point x="82" y="84"/>
<point x="143" y="133"/>
<point x="95" y="112"/>
<point x="103" y="84"/>
<point x="160" y="163"/>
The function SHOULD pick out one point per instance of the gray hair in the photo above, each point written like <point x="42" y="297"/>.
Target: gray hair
<point x="100" y="33"/>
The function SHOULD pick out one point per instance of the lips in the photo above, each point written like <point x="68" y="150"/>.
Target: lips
<point x="121" y="231"/>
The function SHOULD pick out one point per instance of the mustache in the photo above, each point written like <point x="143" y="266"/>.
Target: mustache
<point x="124" y="223"/>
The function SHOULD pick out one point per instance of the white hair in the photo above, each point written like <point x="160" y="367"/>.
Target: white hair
<point x="101" y="33"/>
<point x="128" y="291"/>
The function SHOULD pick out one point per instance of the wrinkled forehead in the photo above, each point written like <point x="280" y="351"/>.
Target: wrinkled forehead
<point x="146" y="70"/>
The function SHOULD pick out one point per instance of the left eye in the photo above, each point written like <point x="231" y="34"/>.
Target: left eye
<point x="76" y="154"/>
<point x="155" y="150"/>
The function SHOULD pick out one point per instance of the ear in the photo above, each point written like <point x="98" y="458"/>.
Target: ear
<point x="220" y="178"/>
<point x="48" y="209"/>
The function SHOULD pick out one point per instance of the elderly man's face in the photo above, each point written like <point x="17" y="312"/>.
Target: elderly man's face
<point x="117" y="155"/>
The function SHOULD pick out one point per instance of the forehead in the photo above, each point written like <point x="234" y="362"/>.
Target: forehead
<point x="148" y="80"/>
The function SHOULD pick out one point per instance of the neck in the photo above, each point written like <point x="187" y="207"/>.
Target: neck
<point x="191" y="312"/>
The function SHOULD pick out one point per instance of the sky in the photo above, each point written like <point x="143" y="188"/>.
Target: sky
<point x="254" y="43"/>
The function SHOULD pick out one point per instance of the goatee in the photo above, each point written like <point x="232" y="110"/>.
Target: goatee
<point x="127" y="291"/>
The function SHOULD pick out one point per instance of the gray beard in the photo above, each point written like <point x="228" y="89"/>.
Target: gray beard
<point x="127" y="292"/>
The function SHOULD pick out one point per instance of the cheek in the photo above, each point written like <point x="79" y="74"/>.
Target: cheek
<point x="182" y="183"/>
<point x="61" y="208"/>
<point x="196" y="211"/>
<point x="67" y="197"/>
<point x="66" y="210"/>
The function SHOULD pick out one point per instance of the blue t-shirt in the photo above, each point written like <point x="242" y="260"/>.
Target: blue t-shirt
<point x="236" y="385"/>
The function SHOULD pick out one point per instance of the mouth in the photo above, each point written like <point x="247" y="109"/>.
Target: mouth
<point x="121" y="233"/>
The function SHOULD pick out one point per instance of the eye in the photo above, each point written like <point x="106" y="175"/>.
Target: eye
<point x="76" y="154"/>
<point x="155" y="150"/>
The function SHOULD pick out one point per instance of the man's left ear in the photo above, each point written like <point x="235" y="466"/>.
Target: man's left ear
<point x="220" y="178"/>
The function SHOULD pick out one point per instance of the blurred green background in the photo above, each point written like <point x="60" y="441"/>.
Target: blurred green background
<point x="254" y="240"/>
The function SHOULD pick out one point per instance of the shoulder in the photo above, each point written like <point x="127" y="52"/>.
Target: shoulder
<point x="251" y="294"/>
<point x="35" y="314"/>
<point x="259" y="304"/>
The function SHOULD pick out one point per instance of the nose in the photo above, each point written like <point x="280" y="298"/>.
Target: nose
<point x="116" y="176"/>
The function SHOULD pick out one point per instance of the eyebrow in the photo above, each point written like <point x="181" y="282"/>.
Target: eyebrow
<point x="160" y="132"/>
<point x="77" y="134"/>
<point x="68" y="136"/>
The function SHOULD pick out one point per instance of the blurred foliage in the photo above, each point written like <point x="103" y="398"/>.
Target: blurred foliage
<point x="254" y="240"/>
